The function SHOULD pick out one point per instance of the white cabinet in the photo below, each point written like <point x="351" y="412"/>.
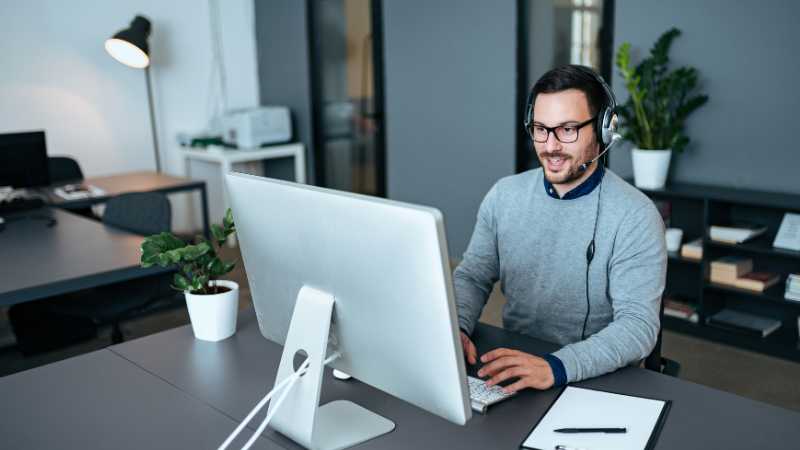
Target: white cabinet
<point x="210" y="165"/>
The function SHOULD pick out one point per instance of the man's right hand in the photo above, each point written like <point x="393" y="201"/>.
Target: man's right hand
<point x="469" y="349"/>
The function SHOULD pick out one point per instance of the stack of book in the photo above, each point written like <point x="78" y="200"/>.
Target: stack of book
<point x="693" y="249"/>
<point x="793" y="287"/>
<point x="737" y="271"/>
<point x="730" y="319"/>
<point x="676" y="306"/>
<point x="735" y="234"/>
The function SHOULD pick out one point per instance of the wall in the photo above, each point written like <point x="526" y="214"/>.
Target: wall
<point x="57" y="76"/>
<point x="746" y="53"/>
<point x="450" y="88"/>
<point x="283" y="71"/>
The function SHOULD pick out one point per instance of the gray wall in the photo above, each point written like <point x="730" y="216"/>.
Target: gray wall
<point x="747" y="54"/>
<point x="450" y="98"/>
<point x="283" y="71"/>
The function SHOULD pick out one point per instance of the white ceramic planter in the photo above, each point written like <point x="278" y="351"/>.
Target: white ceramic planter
<point x="214" y="316"/>
<point x="650" y="168"/>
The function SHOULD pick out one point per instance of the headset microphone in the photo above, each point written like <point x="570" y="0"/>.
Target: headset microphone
<point x="614" y="139"/>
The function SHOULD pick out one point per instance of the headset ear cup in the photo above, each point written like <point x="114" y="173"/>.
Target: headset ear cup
<point x="603" y="127"/>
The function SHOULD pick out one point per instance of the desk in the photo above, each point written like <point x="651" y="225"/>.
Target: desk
<point x="77" y="253"/>
<point x="102" y="401"/>
<point x="136" y="182"/>
<point x="233" y="374"/>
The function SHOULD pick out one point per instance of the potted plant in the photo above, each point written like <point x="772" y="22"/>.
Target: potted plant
<point x="212" y="303"/>
<point x="654" y="115"/>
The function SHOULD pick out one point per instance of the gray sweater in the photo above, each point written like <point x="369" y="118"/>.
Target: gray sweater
<point x="536" y="246"/>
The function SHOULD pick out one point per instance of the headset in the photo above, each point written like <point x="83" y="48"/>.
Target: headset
<point x="605" y="128"/>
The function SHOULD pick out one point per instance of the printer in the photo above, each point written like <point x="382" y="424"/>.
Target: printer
<point x="254" y="127"/>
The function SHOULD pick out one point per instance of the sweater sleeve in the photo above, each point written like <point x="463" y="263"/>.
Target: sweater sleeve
<point x="636" y="278"/>
<point x="475" y="276"/>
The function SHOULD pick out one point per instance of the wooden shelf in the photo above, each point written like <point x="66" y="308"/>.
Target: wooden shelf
<point x="696" y="208"/>
<point x="676" y="256"/>
<point x="761" y="245"/>
<point x="773" y="294"/>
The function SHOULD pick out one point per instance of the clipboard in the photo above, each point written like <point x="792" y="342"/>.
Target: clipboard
<point x="573" y="402"/>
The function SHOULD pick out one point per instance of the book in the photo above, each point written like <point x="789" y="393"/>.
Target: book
<point x="743" y="322"/>
<point x="757" y="281"/>
<point x="693" y="249"/>
<point x="788" y="236"/>
<point x="736" y="234"/>
<point x="78" y="191"/>
<point x="727" y="269"/>
<point x="681" y="310"/>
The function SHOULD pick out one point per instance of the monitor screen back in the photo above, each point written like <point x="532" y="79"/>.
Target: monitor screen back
<point x="23" y="160"/>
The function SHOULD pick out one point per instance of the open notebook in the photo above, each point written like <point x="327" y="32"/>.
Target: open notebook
<point x="587" y="408"/>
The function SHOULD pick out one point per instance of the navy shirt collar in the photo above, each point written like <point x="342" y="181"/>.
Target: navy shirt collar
<point x="582" y="189"/>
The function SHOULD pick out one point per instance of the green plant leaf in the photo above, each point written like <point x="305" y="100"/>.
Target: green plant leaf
<point x="180" y="282"/>
<point x="218" y="233"/>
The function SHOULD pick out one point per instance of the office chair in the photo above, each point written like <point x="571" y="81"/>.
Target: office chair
<point x="141" y="213"/>
<point x="654" y="360"/>
<point x="65" y="170"/>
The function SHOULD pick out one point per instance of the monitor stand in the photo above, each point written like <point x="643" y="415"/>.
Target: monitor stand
<point x="336" y="425"/>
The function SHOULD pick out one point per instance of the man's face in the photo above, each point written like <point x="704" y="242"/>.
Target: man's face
<point x="559" y="160"/>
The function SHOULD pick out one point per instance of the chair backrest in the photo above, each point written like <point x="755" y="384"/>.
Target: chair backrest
<point x="63" y="169"/>
<point x="142" y="213"/>
<point x="653" y="360"/>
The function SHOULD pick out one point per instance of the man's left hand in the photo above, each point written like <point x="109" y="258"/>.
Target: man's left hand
<point x="502" y="363"/>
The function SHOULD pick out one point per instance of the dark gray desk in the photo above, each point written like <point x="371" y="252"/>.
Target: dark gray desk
<point x="233" y="374"/>
<point x="101" y="401"/>
<point x="77" y="253"/>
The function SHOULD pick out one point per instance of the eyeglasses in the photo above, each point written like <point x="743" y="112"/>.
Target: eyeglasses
<point x="564" y="133"/>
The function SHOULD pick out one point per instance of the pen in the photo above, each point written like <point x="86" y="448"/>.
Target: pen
<point x="591" y="430"/>
<point x="564" y="447"/>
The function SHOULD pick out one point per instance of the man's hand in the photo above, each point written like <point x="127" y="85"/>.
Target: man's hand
<point x="469" y="349"/>
<point x="502" y="364"/>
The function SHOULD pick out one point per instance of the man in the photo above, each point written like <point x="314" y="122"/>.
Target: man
<point x="534" y="233"/>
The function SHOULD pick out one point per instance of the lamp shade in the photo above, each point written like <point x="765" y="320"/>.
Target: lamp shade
<point x="129" y="46"/>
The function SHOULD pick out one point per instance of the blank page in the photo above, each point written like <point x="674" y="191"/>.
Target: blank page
<point x="587" y="408"/>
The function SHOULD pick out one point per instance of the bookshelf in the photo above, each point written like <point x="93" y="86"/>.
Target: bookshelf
<point x="694" y="208"/>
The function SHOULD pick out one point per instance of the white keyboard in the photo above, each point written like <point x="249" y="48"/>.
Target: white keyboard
<point x="482" y="396"/>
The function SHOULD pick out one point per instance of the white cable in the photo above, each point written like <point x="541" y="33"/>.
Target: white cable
<point x="288" y="380"/>
<point x="286" y="385"/>
<point x="278" y="402"/>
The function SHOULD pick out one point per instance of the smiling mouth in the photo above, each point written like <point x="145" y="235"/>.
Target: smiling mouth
<point x="555" y="162"/>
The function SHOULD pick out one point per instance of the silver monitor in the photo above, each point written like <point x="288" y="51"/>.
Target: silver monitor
<point x="385" y="268"/>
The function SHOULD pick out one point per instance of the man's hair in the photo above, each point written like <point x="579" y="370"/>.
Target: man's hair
<point x="572" y="77"/>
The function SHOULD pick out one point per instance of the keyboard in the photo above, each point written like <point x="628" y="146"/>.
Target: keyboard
<point x="482" y="396"/>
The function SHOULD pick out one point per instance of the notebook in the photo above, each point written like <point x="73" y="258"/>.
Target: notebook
<point x="588" y="408"/>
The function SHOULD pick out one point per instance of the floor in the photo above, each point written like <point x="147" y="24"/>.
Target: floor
<point x="745" y="373"/>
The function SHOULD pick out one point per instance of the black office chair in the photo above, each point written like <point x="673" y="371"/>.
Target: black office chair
<point x="64" y="169"/>
<point x="140" y="213"/>
<point x="655" y="361"/>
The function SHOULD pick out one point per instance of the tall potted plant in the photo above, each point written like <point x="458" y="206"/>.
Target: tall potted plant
<point x="655" y="113"/>
<point x="212" y="303"/>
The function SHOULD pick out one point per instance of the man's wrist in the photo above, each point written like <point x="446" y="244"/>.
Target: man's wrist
<point x="558" y="369"/>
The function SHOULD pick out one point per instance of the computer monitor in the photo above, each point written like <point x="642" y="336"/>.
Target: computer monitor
<point x="23" y="160"/>
<point x="385" y="266"/>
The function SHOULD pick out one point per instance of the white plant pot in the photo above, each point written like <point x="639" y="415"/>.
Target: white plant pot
<point x="214" y="316"/>
<point x="650" y="168"/>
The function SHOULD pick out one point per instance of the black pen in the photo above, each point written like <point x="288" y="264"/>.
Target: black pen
<point x="591" y="430"/>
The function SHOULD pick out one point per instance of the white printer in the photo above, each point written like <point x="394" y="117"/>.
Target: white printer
<point x="254" y="127"/>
